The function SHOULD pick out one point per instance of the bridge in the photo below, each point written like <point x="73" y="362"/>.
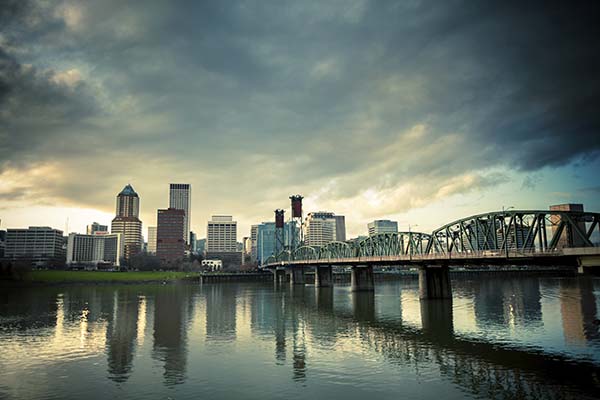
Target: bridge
<point x="527" y="237"/>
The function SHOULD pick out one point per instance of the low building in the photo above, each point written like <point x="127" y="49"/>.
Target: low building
<point x="96" y="227"/>
<point x="212" y="265"/>
<point x="93" y="251"/>
<point x="382" y="226"/>
<point x="232" y="260"/>
<point x="41" y="245"/>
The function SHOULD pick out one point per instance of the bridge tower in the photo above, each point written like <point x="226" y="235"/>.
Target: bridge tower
<point x="296" y="222"/>
<point x="279" y="232"/>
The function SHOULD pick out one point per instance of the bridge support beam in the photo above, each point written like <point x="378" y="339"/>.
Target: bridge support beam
<point x="279" y="276"/>
<point x="434" y="282"/>
<point x="361" y="278"/>
<point x="588" y="265"/>
<point x="323" y="276"/>
<point x="297" y="276"/>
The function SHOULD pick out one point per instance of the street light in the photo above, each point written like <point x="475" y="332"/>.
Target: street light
<point x="410" y="241"/>
<point x="504" y="210"/>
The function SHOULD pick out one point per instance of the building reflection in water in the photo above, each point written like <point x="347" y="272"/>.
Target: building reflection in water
<point x="578" y="310"/>
<point x="220" y="312"/>
<point x="513" y="301"/>
<point x="170" y="331"/>
<point x="121" y="334"/>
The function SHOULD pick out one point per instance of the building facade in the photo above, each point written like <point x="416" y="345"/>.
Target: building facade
<point x="96" y="227"/>
<point x="382" y="226"/>
<point x="180" y="197"/>
<point x="94" y="250"/>
<point x="340" y="228"/>
<point x="568" y="238"/>
<point x="320" y="228"/>
<point x="253" y="242"/>
<point x="221" y="234"/>
<point x="151" y="240"/>
<point x="127" y="221"/>
<point x="170" y="246"/>
<point x="41" y="245"/>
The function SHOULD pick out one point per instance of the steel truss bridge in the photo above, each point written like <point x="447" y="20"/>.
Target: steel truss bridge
<point x="515" y="236"/>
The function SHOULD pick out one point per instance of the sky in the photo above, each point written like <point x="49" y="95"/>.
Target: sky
<point x="422" y="112"/>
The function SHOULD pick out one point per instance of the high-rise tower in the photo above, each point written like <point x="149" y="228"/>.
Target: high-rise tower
<point x="180" y="198"/>
<point x="127" y="221"/>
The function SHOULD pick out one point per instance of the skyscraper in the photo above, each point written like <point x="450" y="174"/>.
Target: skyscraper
<point x="170" y="246"/>
<point x="340" y="228"/>
<point x="320" y="228"/>
<point x="180" y="198"/>
<point x="568" y="238"/>
<point x="127" y="221"/>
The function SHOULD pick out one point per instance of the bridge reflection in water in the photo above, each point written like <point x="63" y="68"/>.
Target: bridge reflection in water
<point x="495" y="339"/>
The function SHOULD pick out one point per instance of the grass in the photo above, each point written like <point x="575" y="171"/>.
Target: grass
<point x="102" y="276"/>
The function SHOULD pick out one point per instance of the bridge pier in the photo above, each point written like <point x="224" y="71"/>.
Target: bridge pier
<point x="279" y="276"/>
<point x="361" y="278"/>
<point x="323" y="276"/>
<point x="297" y="276"/>
<point x="434" y="282"/>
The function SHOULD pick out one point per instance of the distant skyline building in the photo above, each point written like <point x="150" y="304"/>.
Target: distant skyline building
<point x="180" y="197"/>
<point x="152" y="239"/>
<point x="96" y="227"/>
<point x="340" y="228"/>
<point x="382" y="226"/>
<point x="127" y="221"/>
<point x="41" y="245"/>
<point x="221" y="234"/>
<point x="568" y="238"/>
<point x="170" y="246"/>
<point x="320" y="228"/>
<point x="94" y="250"/>
<point x="253" y="242"/>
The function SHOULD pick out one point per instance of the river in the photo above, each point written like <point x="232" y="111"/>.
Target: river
<point x="501" y="338"/>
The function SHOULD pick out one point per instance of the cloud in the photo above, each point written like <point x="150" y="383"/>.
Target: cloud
<point x="383" y="104"/>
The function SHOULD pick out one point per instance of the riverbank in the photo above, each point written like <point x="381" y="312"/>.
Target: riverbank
<point x="101" y="277"/>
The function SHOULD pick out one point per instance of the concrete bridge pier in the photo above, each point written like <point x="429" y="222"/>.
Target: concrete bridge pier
<point x="434" y="282"/>
<point x="297" y="276"/>
<point x="361" y="278"/>
<point x="323" y="276"/>
<point x="279" y="276"/>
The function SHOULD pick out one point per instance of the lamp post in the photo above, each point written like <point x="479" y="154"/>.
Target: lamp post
<point x="410" y="241"/>
<point x="504" y="210"/>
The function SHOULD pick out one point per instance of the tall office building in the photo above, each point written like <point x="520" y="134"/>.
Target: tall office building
<point x="382" y="226"/>
<point x="127" y="221"/>
<point x="340" y="228"/>
<point x="96" y="227"/>
<point x="152" y="239"/>
<point x="568" y="238"/>
<point x="41" y="245"/>
<point x="101" y="248"/>
<point x="253" y="241"/>
<point x="320" y="228"/>
<point x="180" y="197"/>
<point x="170" y="245"/>
<point x="221" y="234"/>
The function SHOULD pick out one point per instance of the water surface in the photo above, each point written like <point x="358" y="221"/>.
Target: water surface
<point x="501" y="338"/>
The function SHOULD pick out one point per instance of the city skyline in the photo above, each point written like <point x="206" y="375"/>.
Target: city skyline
<point x="360" y="120"/>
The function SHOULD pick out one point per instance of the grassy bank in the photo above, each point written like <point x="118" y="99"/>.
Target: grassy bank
<point x="107" y="277"/>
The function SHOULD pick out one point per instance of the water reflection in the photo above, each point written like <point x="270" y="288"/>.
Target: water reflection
<point x="306" y="333"/>
<point x="578" y="310"/>
<point x="171" y="305"/>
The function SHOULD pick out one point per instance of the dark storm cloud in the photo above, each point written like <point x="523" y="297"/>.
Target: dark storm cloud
<point x="312" y="90"/>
